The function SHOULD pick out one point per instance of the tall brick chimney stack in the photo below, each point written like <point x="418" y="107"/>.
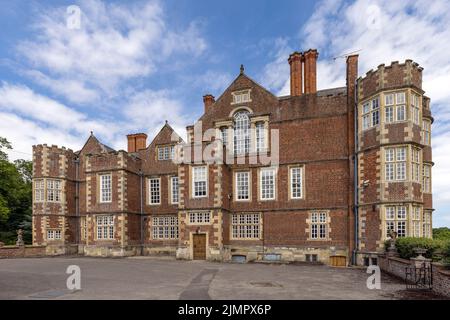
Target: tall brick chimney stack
<point x="310" y="57"/>
<point x="295" y="61"/>
<point x="208" y="100"/>
<point x="136" y="142"/>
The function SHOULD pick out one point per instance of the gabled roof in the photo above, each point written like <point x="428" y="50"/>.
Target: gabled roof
<point x="103" y="148"/>
<point x="161" y="132"/>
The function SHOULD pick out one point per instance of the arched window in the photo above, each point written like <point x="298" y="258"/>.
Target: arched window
<point x="241" y="132"/>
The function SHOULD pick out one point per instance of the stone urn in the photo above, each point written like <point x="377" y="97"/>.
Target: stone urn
<point x="392" y="250"/>
<point x="420" y="261"/>
<point x="19" y="241"/>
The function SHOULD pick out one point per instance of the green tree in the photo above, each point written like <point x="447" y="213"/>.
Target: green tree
<point x="15" y="196"/>
<point x="441" y="233"/>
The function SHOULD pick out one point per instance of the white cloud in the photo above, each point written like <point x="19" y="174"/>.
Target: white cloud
<point x="116" y="42"/>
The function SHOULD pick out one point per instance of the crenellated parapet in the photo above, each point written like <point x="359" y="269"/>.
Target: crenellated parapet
<point x="396" y="75"/>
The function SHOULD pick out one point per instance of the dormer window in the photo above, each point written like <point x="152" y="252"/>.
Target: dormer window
<point x="166" y="153"/>
<point x="241" y="96"/>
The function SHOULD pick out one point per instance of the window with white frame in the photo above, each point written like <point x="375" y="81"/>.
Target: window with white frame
<point x="260" y="129"/>
<point x="200" y="217"/>
<point x="39" y="190"/>
<point x="241" y="96"/>
<point x="415" y="164"/>
<point x="318" y="225"/>
<point x="427" y="223"/>
<point x="174" y="189"/>
<point x="165" y="227"/>
<point x="396" y="220"/>
<point x="426" y="184"/>
<point x="54" y="234"/>
<point x="267" y="183"/>
<point x="53" y="190"/>
<point x="426" y="132"/>
<point x="296" y="182"/>
<point x="371" y="113"/>
<point x="199" y="181"/>
<point x="416" y="221"/>
<point x="155" y="190"/>
<point x="395" y="166"/>
<point x="166" y="152"/>
<point x="241" y="133"/>
<point x="224" y="135"/>
<point x="242" y="179"/>
<point x="245" y="226"/>
<point x="415" y="108"/>
<point x="395" y="107"/>
<point x="105" y="188"/>
<point x="105" y="227"/>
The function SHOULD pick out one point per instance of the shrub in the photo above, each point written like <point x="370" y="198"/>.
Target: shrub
<point x="406" y="246"/>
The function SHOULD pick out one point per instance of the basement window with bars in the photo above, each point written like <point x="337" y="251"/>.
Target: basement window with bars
<point x="395" y="107"/>
<point x="105" y="227"/>
<point x="165" y="228"/>
<point x="318" y="225"/>
<point x="199" y="181"/>
<point x="246" y="226"/>
<point x="396" y="220"/>
<point x="54" y="234"/>
<point x="154" y="189"/>
<point x="395" y="166"/>
<point x="53" y="190"/>
<point x="39" y="190"/>
<point x="242" y="185"/>
<point x="371" y="114"/>
<point x="105" y="188"/>
<point x="199" y="217"/>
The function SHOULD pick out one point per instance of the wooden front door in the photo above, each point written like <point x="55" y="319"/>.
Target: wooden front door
<point x="199" y="243"/>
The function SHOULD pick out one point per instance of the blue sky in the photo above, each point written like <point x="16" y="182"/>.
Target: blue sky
<point x="134" y="64"/>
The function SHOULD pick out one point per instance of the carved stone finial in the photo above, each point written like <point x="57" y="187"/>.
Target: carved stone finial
<point x="242" y="68"/>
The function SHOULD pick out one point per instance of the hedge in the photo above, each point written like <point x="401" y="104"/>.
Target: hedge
<point x="436" y="249"/>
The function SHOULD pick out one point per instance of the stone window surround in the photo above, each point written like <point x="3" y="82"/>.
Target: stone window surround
<point x="408" y="168"/>
<point x="171" y="194"/>
<point x="241" y="92"/>
<point x="327" y="223"/>
<point x="246" y="213"/>
<point x="192" y="182"/>
<point x="409" y="217"/>
<point x="196" y="212"/>
<point x="382" y="95"/>
<point x="100" y="187"/>
<point x="149" y="181"/>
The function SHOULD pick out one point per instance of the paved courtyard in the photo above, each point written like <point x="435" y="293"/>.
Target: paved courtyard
<point x="164" y="278"/>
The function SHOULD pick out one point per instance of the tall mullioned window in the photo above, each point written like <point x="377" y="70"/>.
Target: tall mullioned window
<point x="39" y="190"/>
<point x="105" y="188"/>
<point x="224" y="135"/>
<point x="267" y="184"/>
<point x="245" y="226"/>
<point x="395" y="107"/>
<point x="426" y="184"/>
<point x="395" y="167"/>
<point x="241" y="133"/>
<point x="415" y="108"/>
<point x="242" y="185"/>
<point x="199" y="181"/>
<point x="260" y="137"/>
<point x="371" y="113"/>
<point x="426" y="132"/>
<point x="296" y="182"/>
<point x="155" y="190"/>
<point x="396" y="220"/>
<point x="415" y="164"/>
<point x="427" y="223"/>
<point x="166" y="153"/>
<point x="105" y="227"/>
<point x="53" y="190"/>
<point x="415" y="221"/>
<point x="165" y="227"/>
<point x="174" y="189"/>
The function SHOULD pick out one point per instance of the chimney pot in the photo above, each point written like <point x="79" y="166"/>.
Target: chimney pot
<point x="295" y="62"/>
<point x="310" y="57"/>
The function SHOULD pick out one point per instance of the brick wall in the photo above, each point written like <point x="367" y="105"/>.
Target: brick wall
<point x="21" y="251"/>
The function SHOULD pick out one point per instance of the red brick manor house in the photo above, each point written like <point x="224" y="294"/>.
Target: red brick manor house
<point x="347" y="165"/>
